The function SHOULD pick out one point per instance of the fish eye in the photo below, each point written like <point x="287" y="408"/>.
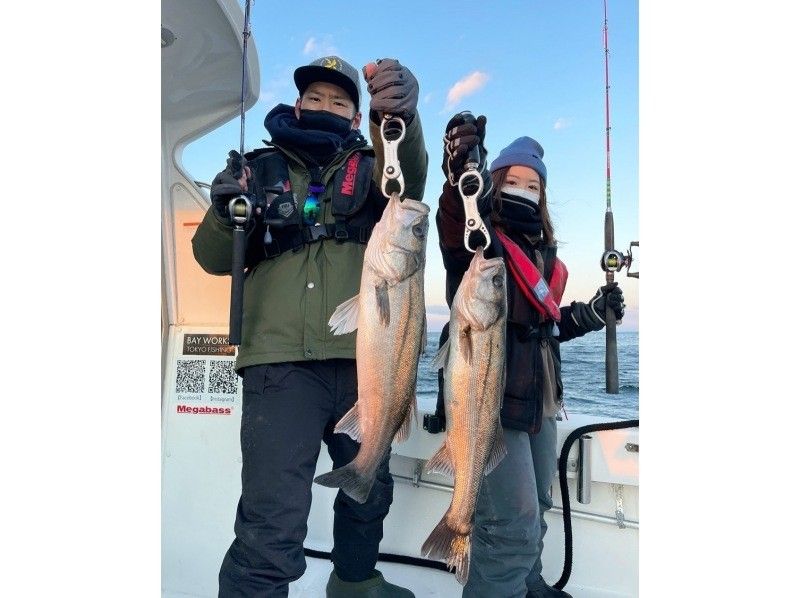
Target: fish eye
<point x="418" y="230"/>
<point x="498" y="280"/>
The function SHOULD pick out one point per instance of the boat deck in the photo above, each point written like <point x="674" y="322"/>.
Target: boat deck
<point x="423" y="581"/>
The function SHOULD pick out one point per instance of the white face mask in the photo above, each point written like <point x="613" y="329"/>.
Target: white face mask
<point x="523" y="194"/>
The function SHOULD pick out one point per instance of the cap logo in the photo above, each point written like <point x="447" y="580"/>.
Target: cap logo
<point x="331" y="63"/>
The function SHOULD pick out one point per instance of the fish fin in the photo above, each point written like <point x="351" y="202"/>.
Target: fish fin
<point x="382" y="297"/>
<point x="465" y="344"/>
<point x="440" y="360"/>
<point x="349" y="424"/>
<point x="499" y="450"/>
<point x="350" y="479"/>
<point x="405" y="428"/>
<point x="446" y="543"/>
<point x="441" y="462"/>
<point x="345" y="317"/>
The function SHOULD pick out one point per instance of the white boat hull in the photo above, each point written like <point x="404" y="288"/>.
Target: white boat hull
<point x="201" y="465"/>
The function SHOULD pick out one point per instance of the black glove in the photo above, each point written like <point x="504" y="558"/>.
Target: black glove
<point x="592" y="315"/>
<point x="610" y="295"/>
<point x="463" y="133"/>
<point x="225" y="185"/>
<point x="394" y="90"/>
<point x="235" y="163"/>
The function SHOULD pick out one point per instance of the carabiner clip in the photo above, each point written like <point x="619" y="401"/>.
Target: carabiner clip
<point x="391" y="164"/>
<point x="472" y="218"/>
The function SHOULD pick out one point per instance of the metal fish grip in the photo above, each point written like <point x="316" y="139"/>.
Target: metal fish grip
<point x="472" y="218"/>
<point x="393" y="131"/>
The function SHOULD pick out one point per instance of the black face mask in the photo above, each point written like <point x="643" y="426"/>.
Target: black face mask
<point x="322" y="120"/>
<point x="520" y="214"/>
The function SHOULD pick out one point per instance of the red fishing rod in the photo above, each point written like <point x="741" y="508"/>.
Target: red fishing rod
<point x="612" y="260"/>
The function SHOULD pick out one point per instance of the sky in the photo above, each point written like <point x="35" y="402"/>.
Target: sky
<point x="532" y="68"/>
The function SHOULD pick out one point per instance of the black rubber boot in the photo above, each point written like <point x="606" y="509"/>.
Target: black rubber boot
<point x="374" y="587"/>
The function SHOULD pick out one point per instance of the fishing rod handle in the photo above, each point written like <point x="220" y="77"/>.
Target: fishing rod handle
<point x="237" y="286"/>
<point x="612" y="360"/>
<point x="240" y="209"/>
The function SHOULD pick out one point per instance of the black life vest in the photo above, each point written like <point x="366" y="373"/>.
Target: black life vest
<point x="280" y="227"/>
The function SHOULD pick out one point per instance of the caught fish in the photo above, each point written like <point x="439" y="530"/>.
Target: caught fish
<point x="389" y="313"/>
<point x="474" y="362"/>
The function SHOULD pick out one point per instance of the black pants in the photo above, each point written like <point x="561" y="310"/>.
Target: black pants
<point x="287" y="409"/>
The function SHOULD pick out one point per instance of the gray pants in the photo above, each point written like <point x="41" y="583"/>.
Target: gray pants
<point x="508" y="535"/>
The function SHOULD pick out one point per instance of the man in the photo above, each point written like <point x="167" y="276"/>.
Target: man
<point x="316" y="188"/>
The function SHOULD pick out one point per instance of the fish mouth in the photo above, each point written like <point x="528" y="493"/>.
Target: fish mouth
<point x="412" y="205"/>
<point x="482" y="264"/>
<point x="496" y="263"/>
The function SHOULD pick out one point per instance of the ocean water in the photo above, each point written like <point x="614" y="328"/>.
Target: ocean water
<point x="582" y="370"/>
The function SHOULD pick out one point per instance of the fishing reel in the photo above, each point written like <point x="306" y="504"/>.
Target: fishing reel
<point x="240" y="209"/>
<point x="248" y="207"/>
<point x="615" y="261"/>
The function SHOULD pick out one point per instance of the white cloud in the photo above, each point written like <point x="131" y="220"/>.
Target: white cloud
<point x="428" y="97"/>
<point x="562" y="123"/>
<point x="279" y="88"/>
<point x="466" y="86"/>
<point x="318" y="48"/>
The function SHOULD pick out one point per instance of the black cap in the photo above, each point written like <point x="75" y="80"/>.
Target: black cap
<point x="330" y="69"/>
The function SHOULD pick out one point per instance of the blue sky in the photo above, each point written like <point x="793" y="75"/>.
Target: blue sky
<point x="533" y="68"/>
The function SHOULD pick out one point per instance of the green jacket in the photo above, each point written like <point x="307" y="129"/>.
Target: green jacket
<point x="289" y="299"/>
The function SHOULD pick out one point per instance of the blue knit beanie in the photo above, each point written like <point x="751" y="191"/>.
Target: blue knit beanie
<point x="522" y="152"/>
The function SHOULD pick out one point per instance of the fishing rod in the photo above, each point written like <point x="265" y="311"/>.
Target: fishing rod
<point x="612" y="260"/>
<point x="240" y="207"/>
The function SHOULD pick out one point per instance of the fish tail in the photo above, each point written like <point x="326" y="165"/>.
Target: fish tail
<point x="450" y="545"/>
<point x="353" y="482"/>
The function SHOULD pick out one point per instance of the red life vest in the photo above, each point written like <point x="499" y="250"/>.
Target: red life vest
<point x="544" y="297"/>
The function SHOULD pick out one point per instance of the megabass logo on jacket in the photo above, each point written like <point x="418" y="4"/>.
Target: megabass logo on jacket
<point x="351" y="170"/>
<point x="204" y="410"/>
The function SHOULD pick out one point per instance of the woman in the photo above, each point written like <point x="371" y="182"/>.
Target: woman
<point x="509" y="524"/>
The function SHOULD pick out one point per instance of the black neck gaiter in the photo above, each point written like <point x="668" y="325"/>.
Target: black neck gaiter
<point x="318" y="134"/>
<point x="520" y="214"/>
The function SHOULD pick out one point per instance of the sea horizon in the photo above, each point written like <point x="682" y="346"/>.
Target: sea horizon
<point x="582" y="372"/>
<point x="438" y="315"/>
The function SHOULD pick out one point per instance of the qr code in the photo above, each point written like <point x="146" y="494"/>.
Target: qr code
<point x="191" y="375"/>
<point x="222" y="377"/>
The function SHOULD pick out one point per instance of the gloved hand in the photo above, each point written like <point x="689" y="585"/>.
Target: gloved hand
<point x="463" y="133"/>
<point x="226" y="185"/>
<point x="394" y="89"/>
<point x="611" y="295"/>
